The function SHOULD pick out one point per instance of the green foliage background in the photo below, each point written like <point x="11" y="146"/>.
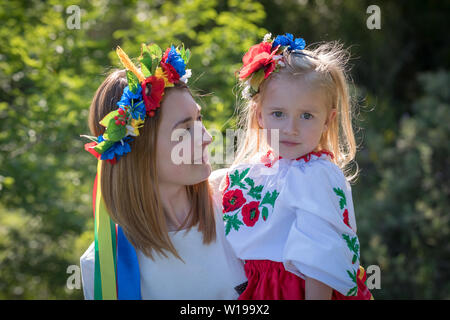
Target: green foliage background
<point x="49" y="74"/>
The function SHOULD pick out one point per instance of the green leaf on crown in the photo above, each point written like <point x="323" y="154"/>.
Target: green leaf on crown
<point x="185" y="54"/>
<point x="146" y="61"/>
<point x="114" y="132"/>
<point x="133" y="81"/>
<point x="103" y="146"/>
<point x="256" y="79"/>
<point x="106" y="119"/>
<point x="156" y="54"/>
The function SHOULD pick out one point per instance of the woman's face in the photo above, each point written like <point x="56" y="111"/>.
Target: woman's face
<point x="182" y="154"/>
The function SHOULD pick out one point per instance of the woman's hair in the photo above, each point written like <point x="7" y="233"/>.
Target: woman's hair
<point x="323" y="67"/>
<point x="130" y="186"/>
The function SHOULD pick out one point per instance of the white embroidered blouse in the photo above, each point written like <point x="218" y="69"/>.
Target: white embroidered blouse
<point x="298" y="212"/>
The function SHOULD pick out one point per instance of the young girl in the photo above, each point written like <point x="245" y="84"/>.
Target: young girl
<point x="287" y="205"/>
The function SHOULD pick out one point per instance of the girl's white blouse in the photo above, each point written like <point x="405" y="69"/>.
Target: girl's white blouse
<point x="300" y="213"/>
<point x="208" y="272"/>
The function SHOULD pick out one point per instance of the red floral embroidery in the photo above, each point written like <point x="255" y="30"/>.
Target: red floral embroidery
<point x="346" y="221"/>
<point x="232" y="200"/>
<point x="250" y="213"/>
<point x="269" y="159"/>
<point x="227" y="183"/>
<point x="258" y="56"/>
<point x="152" y="92"/>
<point x="307" y="156"/>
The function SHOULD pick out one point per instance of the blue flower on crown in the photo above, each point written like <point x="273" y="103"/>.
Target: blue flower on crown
<point x="117" y="150"/>
<point x="175" y="59"/>
<point x="128" y="95"/>
<point x="138" y="111"/>
<point x="288" y="41"/>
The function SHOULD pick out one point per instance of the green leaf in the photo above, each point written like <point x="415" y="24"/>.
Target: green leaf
<point x="133" y="81"/>
<point x="270" y="198"/>
<point x="254" y="192"/>
<point x="236" y="178"/>
<point x="232" y="222"/>
<point x="106" y="119"/>
<point x="103" y="146"/>
<point x="265" y="213"/>
<point x="352" y="291"/>
<point x="146" y="61"/>
<point x="352" y="275"/>
<point x="343" y="201"/>
<point x="256" y="79"/>
<point x="114" y="132"/>
<point x="155" y="51"/>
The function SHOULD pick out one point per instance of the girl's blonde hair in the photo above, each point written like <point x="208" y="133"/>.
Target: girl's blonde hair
<point x="324" y="67"/>
<point x="130" y="187"/>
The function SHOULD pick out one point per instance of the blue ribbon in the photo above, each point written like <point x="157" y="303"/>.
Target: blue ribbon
<point x="128" y="275"/>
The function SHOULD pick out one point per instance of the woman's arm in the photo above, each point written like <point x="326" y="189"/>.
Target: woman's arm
<point x="316" y="290"/>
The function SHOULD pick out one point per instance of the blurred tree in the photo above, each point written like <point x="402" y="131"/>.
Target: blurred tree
<point x="49" y="74"/>
<point x="408" y="211"/>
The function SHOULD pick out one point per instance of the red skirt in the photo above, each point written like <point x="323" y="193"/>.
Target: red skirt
<point x="269" y="280"/>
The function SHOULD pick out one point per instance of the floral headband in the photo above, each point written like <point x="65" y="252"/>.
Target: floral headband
<point x="264" y="58"/>
<point x="140" y="99"/>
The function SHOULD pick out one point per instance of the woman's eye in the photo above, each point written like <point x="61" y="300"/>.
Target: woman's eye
<point x="277" y="114"/>
<point x="306" y="116"/>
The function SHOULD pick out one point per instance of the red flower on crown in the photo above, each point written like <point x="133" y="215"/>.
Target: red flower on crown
<point x="169" y="70"/>
<point x="258" y="56"/>
<point x="152" y="92"/>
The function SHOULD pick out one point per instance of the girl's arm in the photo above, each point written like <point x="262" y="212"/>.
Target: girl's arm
<point x="316" y="290"/>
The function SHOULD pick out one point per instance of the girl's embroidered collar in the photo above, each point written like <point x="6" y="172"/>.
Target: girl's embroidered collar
<point x="269" y="159"/>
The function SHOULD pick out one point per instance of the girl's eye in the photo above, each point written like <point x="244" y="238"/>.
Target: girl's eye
<point x="277" y="114"/>
<point x="306" y="116"/>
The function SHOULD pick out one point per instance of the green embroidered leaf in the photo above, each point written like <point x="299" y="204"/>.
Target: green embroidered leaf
<point x="254" y="192"/>
<point x="340" y="193"/>
<point x="355" y="257"/>
<point x="265" y="213"/>
<point x="232" y="222"/>
<point x="270" y="198"/>
<point x="114" y="132"/>
<point x="236" y="178"/>
<point x="352" y="244"/>
<point x="352" y="275"/>
<point x="133" y="81"/>
<point x="353" y="291"/>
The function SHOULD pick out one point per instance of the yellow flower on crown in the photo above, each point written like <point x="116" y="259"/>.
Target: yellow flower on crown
<point x="159" y="73"/>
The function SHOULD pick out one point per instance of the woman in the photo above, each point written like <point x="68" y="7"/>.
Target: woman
<point x="167" y="216"/>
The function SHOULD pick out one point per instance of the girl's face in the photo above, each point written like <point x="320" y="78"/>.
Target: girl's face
<point x="182" y="155"/>
<point x="298" y="111"/>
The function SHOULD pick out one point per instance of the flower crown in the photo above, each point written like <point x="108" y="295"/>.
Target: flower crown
<point x="141" y="98"/>
<point x="264" y="58"/>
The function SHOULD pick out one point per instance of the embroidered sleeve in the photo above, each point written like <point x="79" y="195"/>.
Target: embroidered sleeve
<point x="216" y="181"/>
<point x="322" y="242"/>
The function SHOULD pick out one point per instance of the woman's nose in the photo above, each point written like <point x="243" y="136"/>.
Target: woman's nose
<point x="207" y="138"/>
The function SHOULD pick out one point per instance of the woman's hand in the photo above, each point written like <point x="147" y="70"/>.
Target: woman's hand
<point x="316" y="290"/>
